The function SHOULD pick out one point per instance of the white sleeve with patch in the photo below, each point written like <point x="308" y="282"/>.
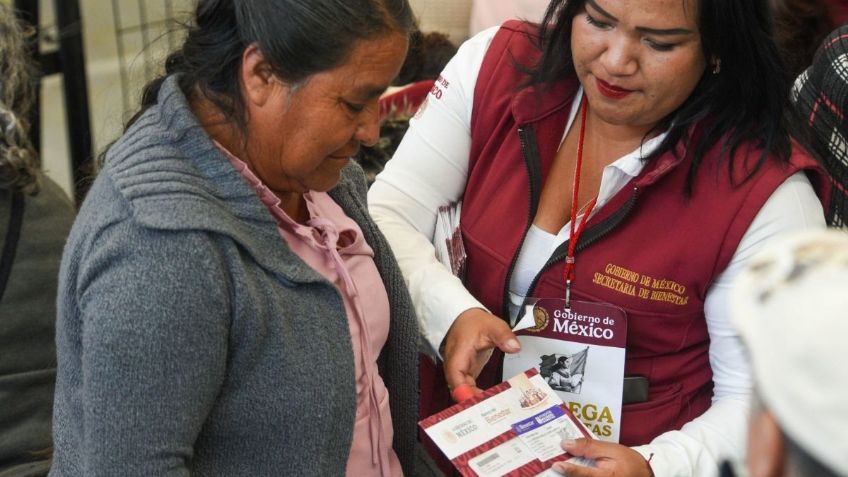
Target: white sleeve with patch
<point x="429" y="169"/>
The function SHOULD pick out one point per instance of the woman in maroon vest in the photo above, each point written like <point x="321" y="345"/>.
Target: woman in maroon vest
<point x="673" y="112"/>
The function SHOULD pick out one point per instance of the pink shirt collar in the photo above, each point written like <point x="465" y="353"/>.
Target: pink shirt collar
<point x="333" y="245"/>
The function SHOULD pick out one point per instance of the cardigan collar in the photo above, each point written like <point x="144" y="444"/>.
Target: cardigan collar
<point x="175" y="178"/>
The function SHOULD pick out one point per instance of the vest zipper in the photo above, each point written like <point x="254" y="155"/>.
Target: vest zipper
<point x="590" y="236"/>
<point x="530" y="153"/>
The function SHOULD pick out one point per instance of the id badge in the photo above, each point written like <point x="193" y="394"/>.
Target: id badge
<point x="580" y="353"/>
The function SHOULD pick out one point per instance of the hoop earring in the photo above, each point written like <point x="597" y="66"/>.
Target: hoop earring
<point x="717" y="66"/>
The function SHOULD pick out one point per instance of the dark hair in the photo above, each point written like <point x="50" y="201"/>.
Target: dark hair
<point x="20" y="168"/>
<point x="799" y="28"/>
<point x="747" y="100"/>
<point x="297" y="37"/>
<point x="428" y="55"/>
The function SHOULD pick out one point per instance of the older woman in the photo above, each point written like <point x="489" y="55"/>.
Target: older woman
<point x="656" y="113"/>
<point x="226" y="305"/>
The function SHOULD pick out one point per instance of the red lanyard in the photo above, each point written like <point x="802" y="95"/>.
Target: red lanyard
<point x="568" y="269"/>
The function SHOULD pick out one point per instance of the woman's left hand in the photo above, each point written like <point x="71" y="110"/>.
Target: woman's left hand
<point x="611" y="460"/>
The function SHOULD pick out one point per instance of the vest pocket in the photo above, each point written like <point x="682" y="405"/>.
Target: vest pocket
<point x="641" y="422"/>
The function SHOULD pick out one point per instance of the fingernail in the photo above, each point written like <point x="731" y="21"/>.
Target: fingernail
<point x="569" y="443"/>
<point x="513" y="344"/>
<point x="462" y="392"/>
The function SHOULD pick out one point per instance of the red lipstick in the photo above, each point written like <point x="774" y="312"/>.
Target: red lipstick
<point x="610" y="91"/>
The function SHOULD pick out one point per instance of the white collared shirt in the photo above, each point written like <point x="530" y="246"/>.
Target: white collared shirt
<point x="539" y="244"/>
<point x="430" y="169"/>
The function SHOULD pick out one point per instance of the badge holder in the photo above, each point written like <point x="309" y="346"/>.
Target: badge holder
<point x="577" y="346"/>
<point x="579" y="349"/>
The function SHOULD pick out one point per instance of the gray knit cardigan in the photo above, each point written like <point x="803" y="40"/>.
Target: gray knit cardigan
<point x="191" y="340"/>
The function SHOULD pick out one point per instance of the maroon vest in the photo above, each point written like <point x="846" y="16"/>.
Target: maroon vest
<point x="651" y="250"/>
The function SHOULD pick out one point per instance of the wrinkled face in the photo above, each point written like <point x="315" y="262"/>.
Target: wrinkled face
<point x="638" y="60"/>
<point x="299" y="138"/>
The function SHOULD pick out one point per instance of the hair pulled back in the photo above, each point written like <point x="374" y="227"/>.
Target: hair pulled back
<point x="298" y="38"/>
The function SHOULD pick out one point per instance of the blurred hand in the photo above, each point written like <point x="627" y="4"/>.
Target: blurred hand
<point x="469" y="344"/>
<point x="612" y="460"/>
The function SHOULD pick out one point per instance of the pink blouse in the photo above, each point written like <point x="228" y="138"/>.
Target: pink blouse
<point x="333" y="245"/>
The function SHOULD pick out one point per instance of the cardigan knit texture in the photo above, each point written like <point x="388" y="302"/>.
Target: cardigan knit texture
<point x="191" y="340"/>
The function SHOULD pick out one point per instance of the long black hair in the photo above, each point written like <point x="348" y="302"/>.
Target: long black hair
<point x="298" y="38"/>
<point x="747" y="100"/>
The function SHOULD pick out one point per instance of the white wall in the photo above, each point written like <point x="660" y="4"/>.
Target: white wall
<point x="447" y="16"/>
<point x="106" y="97"/>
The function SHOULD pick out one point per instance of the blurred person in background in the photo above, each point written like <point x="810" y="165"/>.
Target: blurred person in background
<point x="427" y="56"/>
<point x="789" y="305"/>
<point x="801" y="25"/>
<point x="820" y="96"/>
<point x="35" y="217"/>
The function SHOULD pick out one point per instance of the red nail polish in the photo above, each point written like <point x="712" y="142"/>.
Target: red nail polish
<point x="462" y="392"/>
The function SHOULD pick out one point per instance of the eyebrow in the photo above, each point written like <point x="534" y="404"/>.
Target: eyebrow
<point x="653" y="31"/>
<point x="370" y="91"/>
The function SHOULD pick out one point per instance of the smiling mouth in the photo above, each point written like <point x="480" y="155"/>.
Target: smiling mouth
<point x="611" y="91"/>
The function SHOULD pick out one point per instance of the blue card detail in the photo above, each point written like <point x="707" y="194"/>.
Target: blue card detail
<point x="538" y="420"/>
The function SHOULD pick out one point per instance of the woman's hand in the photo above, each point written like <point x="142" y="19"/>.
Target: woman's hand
<point x="469" y="344"/>
<point x="611" y="460"/>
